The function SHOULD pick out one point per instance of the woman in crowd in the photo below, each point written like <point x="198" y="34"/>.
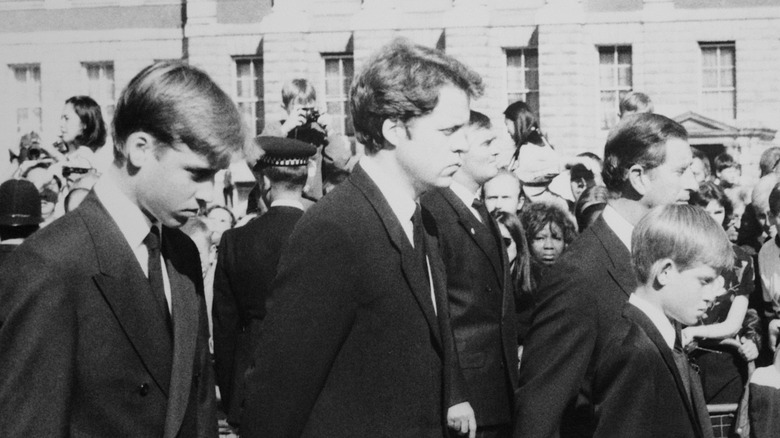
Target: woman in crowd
<point x="516" y="244"/>
<point x="549" y="230"/>
<point x="726" y="338"/>
<point x="82" y="133"/>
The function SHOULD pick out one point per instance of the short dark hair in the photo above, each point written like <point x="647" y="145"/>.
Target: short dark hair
<point x="522" y="275"/>
<point x="637" y="139"/>
<point x="526" y="124"/>
<point x="635" y="102"/>
<point x="774" y="200"/>
<point x="686" y="234"/>
<point x="93" y="135"/>
<point x="708" y="192"/>
<point x="479" y="120"/>
<point x="401" y="82"/>
<point x="290" y="177"/>
<point x="725" y="161"/>
<point x="178" y="103"/>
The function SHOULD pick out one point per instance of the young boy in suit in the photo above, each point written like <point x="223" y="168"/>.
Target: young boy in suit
<point x="644" y="385"/>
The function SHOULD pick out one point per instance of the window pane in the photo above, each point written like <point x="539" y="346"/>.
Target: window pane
<point x="532" y="99"/>
<point x="624" y="76"/>
<point x="514" y="97"/>
<point x="606" y="56"/>
<point x="532" y="79"/>
<point x="242" y="69"/>
<point x="513" y="60"/>
<point x="727" y="78"/>
<point x="709" y="78"/>
<point x="624" y="55"/>
<point x="607" y="76"/>
<point x="331" y="67"/>
<point x="726" y="56"/>
<point x="709" y="57"/>
<point x="333" y="85"/>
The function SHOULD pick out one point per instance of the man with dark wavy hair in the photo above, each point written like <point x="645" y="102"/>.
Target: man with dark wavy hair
<point x="103" y="322"/>
<point x="358" y="342"/>
<point x="647" y="163"/>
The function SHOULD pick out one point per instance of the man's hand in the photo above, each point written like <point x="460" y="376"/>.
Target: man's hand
<point x="296" y="118"/>
<point x="461" y="419"/>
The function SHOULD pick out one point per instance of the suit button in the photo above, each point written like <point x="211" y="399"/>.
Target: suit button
<point x="143" y="389"/>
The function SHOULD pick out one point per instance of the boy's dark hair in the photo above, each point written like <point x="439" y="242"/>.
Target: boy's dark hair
<point x="770" y="158"/>
<point x="94" y="133"/>
<point x="686" y="234"/>
<point x="401" y="82"/>
<point x="177" y="103"/>
<point x="637" y="139"/>
<point x="725" y="161"/>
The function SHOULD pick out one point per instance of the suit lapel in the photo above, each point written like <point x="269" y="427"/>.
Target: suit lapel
<point x="126" y="290"/>
<point x="620" y="257"/>
<point x="185" y="316"/>
<point x="637" y="316"/>
<point x="481" y="234"/>
<point x="413" y="273"/>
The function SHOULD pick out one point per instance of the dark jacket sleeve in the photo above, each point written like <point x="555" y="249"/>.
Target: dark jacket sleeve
<point x="556" y="353"/>
<point x="38" y="335"/>
<point x="226" y="322"/>
<point x="302" y="336"/>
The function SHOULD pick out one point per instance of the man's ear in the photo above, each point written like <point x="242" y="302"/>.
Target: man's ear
<point x="140" y="147"/>
<point x="394" y="131"/>
<point x="662" y="271"/>
<point x="636" y="177"/>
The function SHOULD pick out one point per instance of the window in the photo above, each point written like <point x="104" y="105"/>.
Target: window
<point x="718" y="85"/>
<point x="100" y="85"/>
<point x="615" y="81"/>
<point x="339" y="70"/>
<point x="522" y="77"/>
<point x="250" y="91"/>
<point x="27" y="97"/>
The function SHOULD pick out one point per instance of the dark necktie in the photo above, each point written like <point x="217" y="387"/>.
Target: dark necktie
<point x="152" y="242"/>
<point x="683" y="365"/>
<point x="478" y="205"/>
<point x="419" y="242"/>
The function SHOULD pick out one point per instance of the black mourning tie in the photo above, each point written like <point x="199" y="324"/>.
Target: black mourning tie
<point x="682" y="362"/>
<point x="478" y="205"/>
<point x="152" y="242"/>
<point x="419" y="241"/>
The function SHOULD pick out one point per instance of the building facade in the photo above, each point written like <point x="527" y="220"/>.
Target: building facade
<point x="711" y="64"/>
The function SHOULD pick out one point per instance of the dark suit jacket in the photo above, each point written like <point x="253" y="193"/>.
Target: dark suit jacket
<point x="637" y="388"/>
<point x="481" y="305"/>
<point x="85" y="351"/>
<point x="579" y="299"/>
<point x="246" y="266"/>
<point x="352" y="347"/>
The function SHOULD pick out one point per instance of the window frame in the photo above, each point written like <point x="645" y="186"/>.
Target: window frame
<point x="345" y="125"/>
<point x="523" y="52"/>
<point x="618" y="90"/>
<point x="257" y="101"/>
<point x="718" y="89"/>
<point x="94" y="89"/>
<point x="21" y="97"/>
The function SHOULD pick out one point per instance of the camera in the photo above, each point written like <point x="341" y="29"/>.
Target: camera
<point x="311" y="115"/>
<point x="311" y="131"/>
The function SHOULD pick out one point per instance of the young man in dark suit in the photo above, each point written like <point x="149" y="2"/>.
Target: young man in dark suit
<point x="643" y="384"/>
<point x="104" y="329"/>
<point x="647" y="162"/>
<point x="478" y="284"/>
<point x="358" y="342"/>
<point x="246" y="265"/>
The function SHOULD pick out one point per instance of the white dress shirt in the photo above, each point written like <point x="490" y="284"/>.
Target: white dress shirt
<point x="133" y="224"/>
<point x="619" y="225"/>
<point x="467" y="197"/>
<point x="657" y="316"/>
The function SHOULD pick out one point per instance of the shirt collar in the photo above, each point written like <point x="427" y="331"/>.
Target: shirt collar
<point x="132" y="222"/>
<point x="399" y="202"/>
<point x="657" y="316"/>
<point x="619" y="225"/>
<point x="463" y="193"/>
<point x="287" y="203"/>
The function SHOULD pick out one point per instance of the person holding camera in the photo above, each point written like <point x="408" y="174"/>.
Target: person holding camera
<point x="306" y="123"/>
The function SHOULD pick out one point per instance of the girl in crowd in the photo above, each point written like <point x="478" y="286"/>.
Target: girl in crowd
<point x="728" y="326"/>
